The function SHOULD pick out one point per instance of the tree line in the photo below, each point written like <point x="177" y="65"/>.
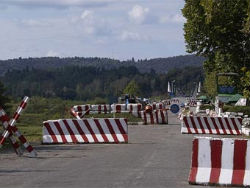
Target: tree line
<point x="89" y="83"/>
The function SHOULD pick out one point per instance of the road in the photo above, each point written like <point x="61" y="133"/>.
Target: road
<point x="156" y="156"/>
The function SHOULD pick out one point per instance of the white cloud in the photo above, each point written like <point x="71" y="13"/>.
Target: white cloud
<point x="57" y="3"/>
<point x="127" y="35"/>
<point x="177" y="18"/>
<point x="138" y="14"/>
<point x="52" y="53"/>
<point x="36" y="23"/>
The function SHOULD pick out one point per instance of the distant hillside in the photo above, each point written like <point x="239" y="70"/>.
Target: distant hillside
<point x="159" y="65"/>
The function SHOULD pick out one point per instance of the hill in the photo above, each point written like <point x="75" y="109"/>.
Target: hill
<point x="159" y="65"/>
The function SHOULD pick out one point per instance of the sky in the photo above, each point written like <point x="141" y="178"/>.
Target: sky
<point x="119" y="29"/>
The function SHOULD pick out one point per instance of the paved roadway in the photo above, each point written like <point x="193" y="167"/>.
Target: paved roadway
<point x="156" y="156"/>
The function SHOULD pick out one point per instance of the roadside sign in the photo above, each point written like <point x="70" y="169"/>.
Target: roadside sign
<point x="174" y="108"/>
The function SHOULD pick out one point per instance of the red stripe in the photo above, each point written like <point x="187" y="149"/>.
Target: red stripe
<point x="90" y="130"/>
<point x="99" y="109"/>
<point x="131" y="108"/>
<point x="216" y="151"/>
<point x="194" y="167"/>
<point x="105" y="109"/>
<point x="215" y="125"/>
<point x="145" y="117"/>
<point x="122" y="131"/>
<point x="240" y="148"/>
<point x="186" y="123"/>
<point x="23" y="104"/>
<point x="193" y="124"/>
<point x="118" y="108"/>
<point x="235" y="126"/>
<point x="4" y="118"/>
<point x="51" y="133"/>
<point x="16" y="116"/>
<point x="225" y="125"/>
<point x="151" y="117"/>
<point x="101" y="130"/>
<point x="163" y="115"/>
<point x="72" y="134"/>
<point x="22" y="139"/>
<point x="228" y="125"/>
<point x="139" y="106"/>
<point x="79" y="109"/>
<point x="29" y="148"/>
<point x="222" y="126"/>
<point x="208" y="126"/>
<point x="201" y="126"/>
<point x="64" y="140"/>
<point x="79" y="129"/>
<point x="111" y="130"/>
<point x="156" y="116"/>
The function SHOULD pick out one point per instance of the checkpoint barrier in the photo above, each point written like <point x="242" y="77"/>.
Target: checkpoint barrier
<point x="101" y="108"/>
<point x="10" y="130"/>
<point x="217" y="161"/>
<point x="154" y="117"/>
<point x="110" y="130"/>
<point x="211" y="125"/>
<point x="158" y="106"/>
<point x="84" y="109"/>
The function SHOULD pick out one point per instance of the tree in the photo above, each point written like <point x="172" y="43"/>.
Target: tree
<point x="3" y="98"/>
<point x="132" y="88"/>
<point x="219" y="31"/>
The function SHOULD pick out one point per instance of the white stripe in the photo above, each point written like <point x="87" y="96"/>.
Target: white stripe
<point x="204" y="161"/>
<point x="86" y="131"/>
<point x="204" y="125"/>
<point x="47" y="138"/>
<point x="190" y="125"/>
<point x="231" y="125"/>
<point x="65" y="131"/>
<point x="26" y="144"/>
<point x="75" y="131"/>
<point x="124" y="125"/>
<point x="56" y="132"/>
<point x="211" y="125"/>
<point x="218" y="125"/>
<point x="197" y="124"/>
<point x="247" y="169"/>
<point x="183" y="127"/>
<point x="95" y="130"/>
<point x="106" y="130"/>
<point x="227" y="161"/>
<point x="225" y="125"/>
<point x="116" y="130"/>
<point x="238" y="124"/>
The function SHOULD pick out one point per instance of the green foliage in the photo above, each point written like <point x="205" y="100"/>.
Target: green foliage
<point x="132" y="89"/>
<point x="244" y="109"/>
<point x="3" y="98"/>
<point x="219" y="31"/>
<point x="93" y="84"/>
<point x="210" y="84"/>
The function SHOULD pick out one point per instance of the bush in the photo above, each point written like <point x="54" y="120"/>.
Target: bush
<point x="244" y="109"/>
<point x="207" y="106"/>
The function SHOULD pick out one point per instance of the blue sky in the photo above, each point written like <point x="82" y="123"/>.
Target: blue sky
<point x="119" y="29"/>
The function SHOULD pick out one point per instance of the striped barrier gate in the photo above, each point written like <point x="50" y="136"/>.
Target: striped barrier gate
<point x="83" y="109"/>
<point x="158" y="106"/>
<point x="217" y="161"/>
<point x="10" y="129"/>
<point x="211" y="125"/>
<point x="110" y="130"/>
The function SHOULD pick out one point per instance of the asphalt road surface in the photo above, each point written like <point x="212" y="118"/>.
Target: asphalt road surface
<point x="156" y="156"/>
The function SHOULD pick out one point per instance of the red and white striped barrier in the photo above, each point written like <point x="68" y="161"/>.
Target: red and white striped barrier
<point x="101" y="108"/>
<point x="218" y="161"/>
<point x="10" y="124"/>
<point x="157" y="106"/>
<point x="108" y="130"/>
<point x="154" y="117"/>
<point x="134" y="107"/>
<point x="211" y="125"/>
<point x="82" y="108"/>
<point x="174" y="101"/>
<point x="118" y="108"/>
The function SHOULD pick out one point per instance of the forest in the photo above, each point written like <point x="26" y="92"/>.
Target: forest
<point x="92" y="83"/>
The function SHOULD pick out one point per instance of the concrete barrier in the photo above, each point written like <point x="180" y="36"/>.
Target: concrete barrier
<point x="211" y="125"/>
<point x="110" y="130"/>
<point x="101" y="108"/>
<point x="154" y="117"/>
<point x="217" y="161"/>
